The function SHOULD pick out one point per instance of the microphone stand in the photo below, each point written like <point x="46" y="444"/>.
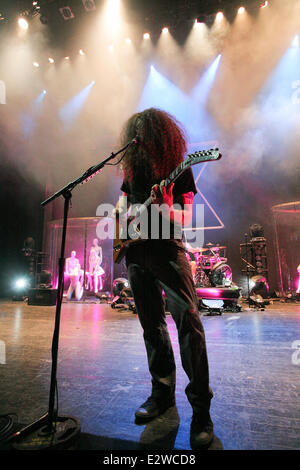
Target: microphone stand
<point x="52" y="431"/>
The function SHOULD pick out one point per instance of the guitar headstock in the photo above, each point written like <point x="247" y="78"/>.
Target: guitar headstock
<point x="192" y="159"/>
<point x="203" y="156"/>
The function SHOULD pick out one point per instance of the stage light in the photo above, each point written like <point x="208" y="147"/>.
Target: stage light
<point x="219" y="16"/>
<point x="203" y="19"/>
<point x="259" y="292"/>
<point x="81" y="52"/>
<point x="241" y="10"/>
<point x="264" y="4"/>
<point x="119" y="284"/>
<point x="197" y="23"/>
<point x="111" y="48"/>
<point x="66" y="13"/>
<point x="20" y="288"/>
<point x="165" y="30"/>
<point x="44" y="92"/>
<point x="256" y="231"/>
<point x="123" y="296"/>
<point x="21" y="283"/>
<point x="51" y="60"/>
<point x="23" y="24"/>
<point x="146" y="36"/>
<point x="128" y="41"/>
<point x="36" y="64"/>
<point x="67" y="58"/>
<point x="89" y="5"/>
<point x="259" y="287"/>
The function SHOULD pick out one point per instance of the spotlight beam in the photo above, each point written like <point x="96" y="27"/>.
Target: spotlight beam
<point x="70" y="111"/>
<point x="162" y="93"/>
<point x="202" y="89"/>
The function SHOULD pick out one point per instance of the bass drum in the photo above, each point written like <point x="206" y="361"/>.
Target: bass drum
<point x="220" y="273"/>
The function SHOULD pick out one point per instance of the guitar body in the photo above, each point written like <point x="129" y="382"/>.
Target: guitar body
<point x="121" y="243"/>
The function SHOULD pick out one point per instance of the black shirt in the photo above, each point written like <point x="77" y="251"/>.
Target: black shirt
<point x="138" y="192"/>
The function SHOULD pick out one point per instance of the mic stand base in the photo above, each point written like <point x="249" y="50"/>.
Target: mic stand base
<point x="45" y="435"/>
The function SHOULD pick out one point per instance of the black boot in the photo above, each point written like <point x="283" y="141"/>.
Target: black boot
<point x="155" y="405"/>
<point x="202" y="431"/>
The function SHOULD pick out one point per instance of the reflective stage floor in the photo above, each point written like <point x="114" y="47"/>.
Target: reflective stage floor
<point x="254" y="361"/>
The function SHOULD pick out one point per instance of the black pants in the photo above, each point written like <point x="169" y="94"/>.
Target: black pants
<point x="153" y="266"/>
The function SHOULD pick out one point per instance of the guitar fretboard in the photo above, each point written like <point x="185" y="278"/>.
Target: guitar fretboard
<point x="171" y="178"/>
<point x="192" y="159"/>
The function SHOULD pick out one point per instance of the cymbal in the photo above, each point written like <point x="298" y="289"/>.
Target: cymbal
<point x="218" y="247"/>
<point x="197" y="250"/>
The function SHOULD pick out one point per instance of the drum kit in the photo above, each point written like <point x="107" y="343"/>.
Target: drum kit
<point x="209" y="266"/>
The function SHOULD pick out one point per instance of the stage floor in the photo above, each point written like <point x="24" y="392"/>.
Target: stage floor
<point x="103" y="375"/>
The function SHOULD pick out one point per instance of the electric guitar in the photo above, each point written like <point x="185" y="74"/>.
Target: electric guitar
<point x="120" y="244"/>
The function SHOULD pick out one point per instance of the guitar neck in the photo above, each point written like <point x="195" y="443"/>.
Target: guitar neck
<point x="192" y="159"/>
<point x="171" y="178"/>
<point x="175" y="173"/>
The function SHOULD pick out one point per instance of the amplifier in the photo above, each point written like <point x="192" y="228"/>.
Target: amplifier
<point x="38" y="296"/>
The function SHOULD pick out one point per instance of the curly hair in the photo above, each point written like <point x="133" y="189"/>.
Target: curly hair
<point x="160" y="149"/>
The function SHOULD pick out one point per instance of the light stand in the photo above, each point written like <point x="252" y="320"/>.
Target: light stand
<point x="51" y="430"/>
<point x="247" y="268"/>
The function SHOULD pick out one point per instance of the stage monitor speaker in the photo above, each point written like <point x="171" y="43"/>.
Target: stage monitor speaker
<point x="44" y="296"/>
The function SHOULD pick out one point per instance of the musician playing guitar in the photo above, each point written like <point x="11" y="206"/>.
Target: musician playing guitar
<point x="157" y="264"/>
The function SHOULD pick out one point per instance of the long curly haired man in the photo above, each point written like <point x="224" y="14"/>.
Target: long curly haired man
<point x="158" y="265"/>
